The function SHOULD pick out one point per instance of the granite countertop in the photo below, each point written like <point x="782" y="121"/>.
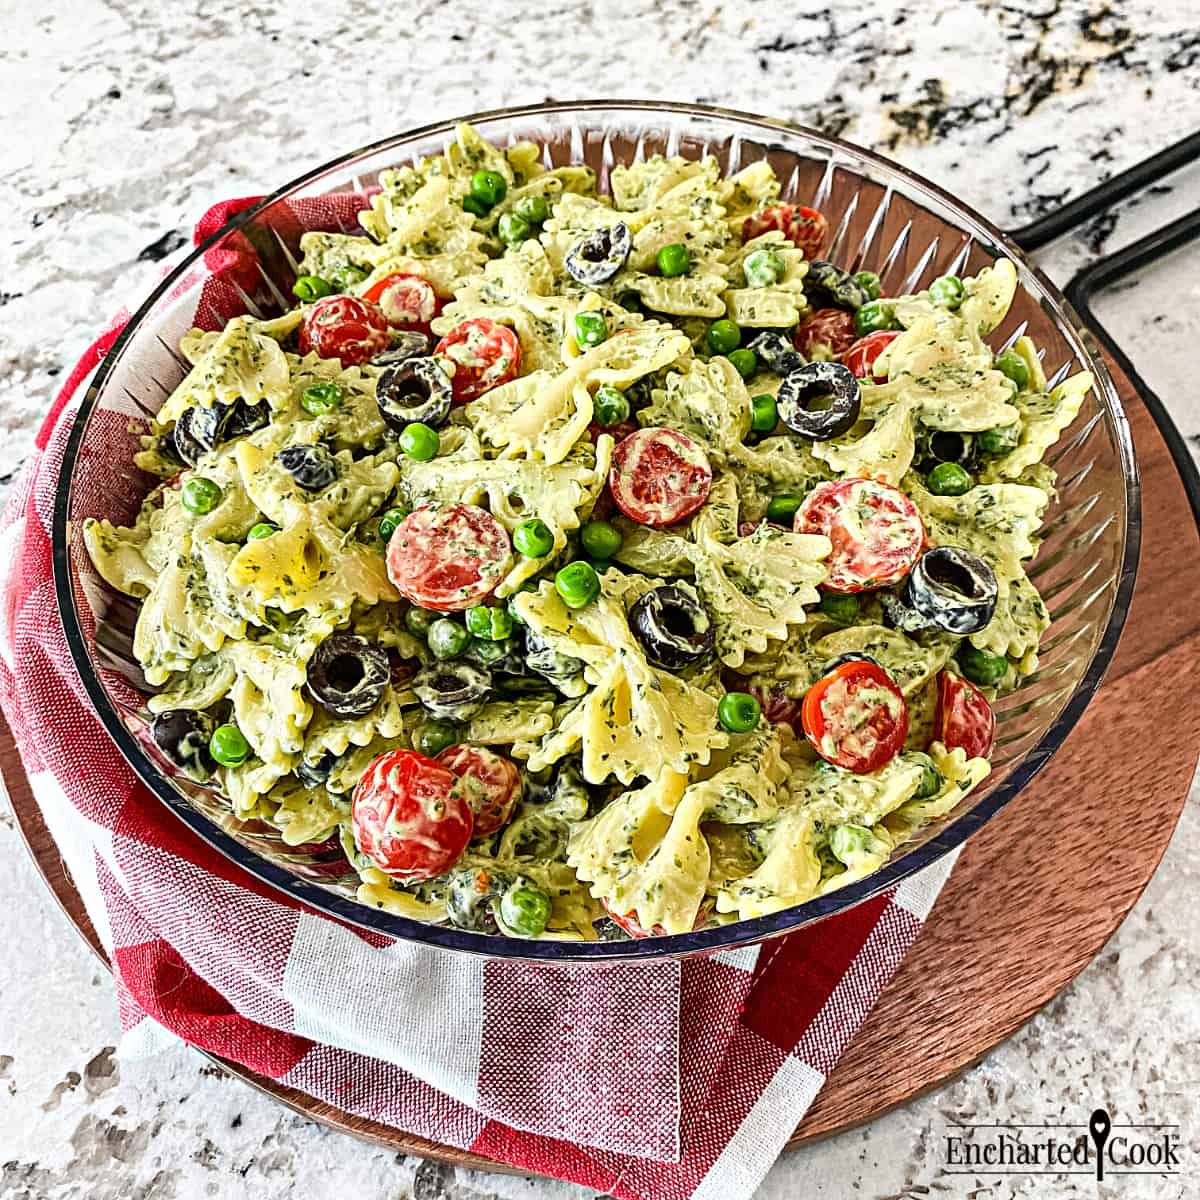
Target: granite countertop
<point x="124" y="120"/>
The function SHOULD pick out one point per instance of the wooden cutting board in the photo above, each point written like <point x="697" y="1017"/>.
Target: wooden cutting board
<point x="1035" y="894"/>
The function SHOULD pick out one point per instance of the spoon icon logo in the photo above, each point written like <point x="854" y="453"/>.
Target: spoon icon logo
<point x="1100" y="1126"/>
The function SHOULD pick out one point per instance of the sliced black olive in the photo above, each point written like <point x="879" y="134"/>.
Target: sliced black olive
<point x="776" y="352"/>
<point x="453" y="690"/>
<point x="416" y="389"/>
<point x="187" y="446"/>
<point x="548" y="663"/>
<point x="315" y="774"/>
<point x="842" y="659"/>
<point x="672" y="626"/>
<point x="246" y="418"/>
<point x="953" y="589"/>
<point x="947" y="446"/>
<point x="597" y="257"/>
<point x="471" y="896"/>
<point x="347" y="676"/>
<point x="208" y="425"/>
<point x="182" y="735"/>
<point x="827" y="284"/>
<point x="817" y="383"/>
<point x="312" y="467"/>
<point x="406" y="343"/>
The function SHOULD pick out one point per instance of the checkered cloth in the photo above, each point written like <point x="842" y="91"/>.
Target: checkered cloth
<point x="647" y="1081"/>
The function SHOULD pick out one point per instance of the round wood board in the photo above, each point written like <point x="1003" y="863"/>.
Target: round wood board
<point x="1006" y="934"/>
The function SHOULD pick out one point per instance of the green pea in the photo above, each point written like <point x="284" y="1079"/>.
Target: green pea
<point x="739" y="712"/>
<point x="869" y="282"/>
<point x="263" y="529"/>
<point x="228" y="746"/>
<point x="390" y="522"/>
<point x="344" y="278"/>
<point x="982" y="668"/>
<point x="723" y="336"/>
<point x="533" y="538"/>
<point x="419" y="441"/>
<point x="475" y="206"/>
<point x="842" y="608"/>
<point x="578" y="584"/>
<point x="610" y="405"/>
<point x="490" y="624"/>
<point x="446" y="638"/>
<point x="513" y="230"/>
<point x="949" y="479"/>
<point x="600" y="540"/>
<point x="485" y="652"/>
<point x="764" y="415"/>
<point x="200" y="495"/>
<point x="311" y="287"/>
<point x="848" y="841"/>
<point x="319" y="398"/>
<point x="1000" y="440"/>
<point x="1014" y="367"/>
<point x="524" y="911"/>
<point x="590" y="329"/>
<point x="763" y="268"/>
<point x="874" y="316"/>
<point x="432" y="737"/>
<point x="419" y="621"/>
<point x="745" y="362"/>
<point x="534" y="209"/>
<point x="783" y="508"/>
<point x="488" y="187"/>
<point x="947" y="291"/>
<point x="931" y="779"/>
<point x="673" y="260"/>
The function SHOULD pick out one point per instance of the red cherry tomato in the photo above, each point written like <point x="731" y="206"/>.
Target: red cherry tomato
<point x="804" y="227"/>
<point x="346" y="328"/>
<point x="448" y="558"/>
<point x="828" y="329"/>
<point x="964" y="718"/>
<point x="860" y="358"/>
<point x="855" y="717"/>
<point x="407" y="301"/>
<point x="779" y="708"/>
<point x="629" y="923"/>
<point x="876" y="531"/>
<point x="411" y="817"/>
<point x="482" y="355"/>
<point x="490" y="781"/>
<point x="659" y="476"/>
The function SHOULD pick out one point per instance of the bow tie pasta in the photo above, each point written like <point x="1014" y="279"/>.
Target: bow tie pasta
<point x="585" y="564"/>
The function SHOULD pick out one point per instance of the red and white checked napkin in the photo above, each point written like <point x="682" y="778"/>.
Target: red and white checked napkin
<point x="647" y="1081"/>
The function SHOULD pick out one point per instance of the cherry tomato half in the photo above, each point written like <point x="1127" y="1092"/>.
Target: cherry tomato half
<point x="659" y="476"/>
<point x="410" y="815"/>
<point x="860" y="358"/>
<point x="855" y="717"/>
<point x="964" y="718"/>
<point x="490" y="782"/>
<point x="481" y="355"/>
<point x="828" y="331"/>
<point x="346" y="328"/>
<point x="805" y="228"/>
<point x="407" y="301"/>
<point x="876" y="531"/>
<point x="448" y="558"/>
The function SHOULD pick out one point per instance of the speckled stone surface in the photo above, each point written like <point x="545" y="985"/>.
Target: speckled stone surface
<point x="121" y="121"/>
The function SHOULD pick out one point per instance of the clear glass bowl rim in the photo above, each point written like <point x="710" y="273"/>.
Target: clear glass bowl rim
<point x="956" y="831"/>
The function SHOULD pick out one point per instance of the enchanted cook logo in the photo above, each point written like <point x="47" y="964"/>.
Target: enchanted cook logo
<point x="1101" y="1148"/>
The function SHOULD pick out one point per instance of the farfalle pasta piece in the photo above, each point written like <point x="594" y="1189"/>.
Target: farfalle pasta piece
<point x="709" y="402"/>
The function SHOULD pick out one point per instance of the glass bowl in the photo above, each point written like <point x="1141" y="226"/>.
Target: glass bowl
<point x="883" y="218"/>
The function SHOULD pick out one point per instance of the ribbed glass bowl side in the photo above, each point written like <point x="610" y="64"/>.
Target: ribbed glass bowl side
<point x="883" y="218"/>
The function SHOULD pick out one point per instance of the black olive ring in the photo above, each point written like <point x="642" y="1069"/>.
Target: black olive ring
<point x="953" y="589"/>
<point x="672" y="626"/>
<point x="347" y="676"/>
<point x="824" y="281"/>
<point x="776" y="352"/>
<point x="416" y="389"/>
<point x="182" y="735"/>
<point x="597" y="257"/>
<point x="452" y="691"/>
<point x="804" y="386"/>
<point x="312" y="467"/>
<point x="406" y="343"/>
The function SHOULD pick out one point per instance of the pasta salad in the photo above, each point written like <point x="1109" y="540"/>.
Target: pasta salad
<point x="592" y="565"/>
